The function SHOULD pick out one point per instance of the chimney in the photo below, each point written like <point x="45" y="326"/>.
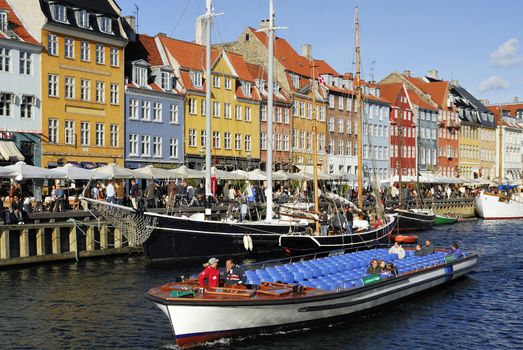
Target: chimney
<point x="433" y="73"/>
<point x="484" y="101"/>
<point x="406" y="73"/>
<point x="516" y="99"/>
<point x="264" y="23"/>
<point x="130" y="28"/>
<point x="349" y="76"/>
<point x="455" y="82"/>
<point x="200" y="32"/>
<point x="131" y="20"/>
<point x="306" y="51"/>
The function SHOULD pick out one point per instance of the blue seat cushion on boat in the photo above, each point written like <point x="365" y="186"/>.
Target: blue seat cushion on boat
<point x="308" y="284"/>
<point x="253" y="280"/>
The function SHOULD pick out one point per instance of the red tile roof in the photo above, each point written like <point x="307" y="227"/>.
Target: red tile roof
<point x="258" y="72"/>
<point x="391" y="91"/>
<point x="188" y="55"/>
<point x="323" y="67"/>
<point x="512" y="108"/>
<point x="151" y="49"/>
<point x="418" y="101"/>
<point x="15" y="25"/>
<point x="240" y="66"/>
<point x="438" y="90"/>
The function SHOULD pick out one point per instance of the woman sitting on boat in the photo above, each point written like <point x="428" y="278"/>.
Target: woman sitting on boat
<point x="455" y="250"/>
<point x="210" y="273"/>
<point x="390" y="270"/>
<point x="397" y="249"/>
<point x="374" y="268"/>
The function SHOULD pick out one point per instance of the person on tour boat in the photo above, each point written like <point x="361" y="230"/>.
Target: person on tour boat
<point x="428" y="248"/>
<point x="397" y="249"/>
<point x="350" y="220"/>
<point x="390" y="270"/>
<point x="210" y="273"/>
<point x="419" y="251"/>
<point x="374" y="268"/>
<point x="455" y="250"/>
<point x="378" y="222"/>
<point x="324" y="220"/>
<point x="234" y="274"/>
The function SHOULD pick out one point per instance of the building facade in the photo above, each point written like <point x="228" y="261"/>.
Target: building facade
<point x="154" y="108"/>
<point x="82" y="74"/>
<point x="20" y="93"/>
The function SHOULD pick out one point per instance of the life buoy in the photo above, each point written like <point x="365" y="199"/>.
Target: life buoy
<point x="405" y="239"/>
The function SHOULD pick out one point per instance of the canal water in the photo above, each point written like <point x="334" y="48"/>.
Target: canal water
<point x="100" y="304"/>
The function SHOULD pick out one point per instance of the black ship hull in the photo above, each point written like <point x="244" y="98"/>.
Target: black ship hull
<point x="409" y="221"/>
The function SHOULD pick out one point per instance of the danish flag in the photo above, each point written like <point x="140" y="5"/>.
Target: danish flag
<point x="322" y="81"/>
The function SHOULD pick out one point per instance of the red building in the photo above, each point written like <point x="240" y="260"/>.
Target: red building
<point x="403" y="131"/>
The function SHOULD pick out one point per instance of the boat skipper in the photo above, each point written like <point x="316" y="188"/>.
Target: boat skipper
<point x="233" y="273"/>
<point x="210" y="273"/>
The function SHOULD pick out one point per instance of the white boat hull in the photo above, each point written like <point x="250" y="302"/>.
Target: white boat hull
<point x="196" y="323"/>
<point x="489" y="206"/>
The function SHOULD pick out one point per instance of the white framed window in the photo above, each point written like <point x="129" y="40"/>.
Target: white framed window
<point x="295" y="81"/>
<point x="146" y="110"/>
<point x="263" y="141"/>
<point x="247" y="114"/>
<point x="26" y="63"/>
<point x="140" y="76"/>
<point x="157" y="146"/>
<point x="59" y="12"/>
<point x="173" y="148"/>
<point x="100" y="54"/>
<point x="100" y="134"/>
<point x="340" y="103"/>
<point x="197" y="78"/>
<point x="157" y="112"/>
<point x="340" y="125"/>
<point x="227" y="140"/>
<point x="295" y="139"/>
<point x="192" y="137"/>
<point x="278" y="142"/>
<point x="114" y="135"/>
<point x="203" y="106"/>
<point x="227" y="110"/>
<point x="52" y="45"/>
<point x="263" y="112"/>
<point x="238" y="141"/>
<point x="302" y="109"/>
<point x="69" y="87"/>
<point x="216" y="81"/>
<point x="203" y="138"/>
<point x="331" y="124"/>
<point x="174" y="119"/>
<point x="238" y="112"/>
<point x="69" y="132"/>
<point x="114" y="57"/>
<point x="82" y="18"/>
<point x="115" y="94"/>
<point x="192" y="106"/>
<point x="322" y="113"/>
<point x="100" y="92"/>
<point x="216" y="109"/>
<point x="133" y="108"/>
<point x="52" y="85"/>
<point x="6" y="100"/>
<point x="246" y="89"/>
<point x="286" y="141"/>
<point x="85" y="51"/>
<point x="3" y="21"/>
<point x="302" y="140"/>
<point x="85" y="133"/>
<point x="294" y="108"/>
<point x="146" y="146"/>
<point x="166" y="81"/>
<point x="216" y="140"/>
<point x="26" y="107"/>
<point x="278" y="115"/>
<point x="286" y="118"/>
<point x="341" y="147"/>
<point x="52" y="130"/>
<point x="105" y="24"/>
<point x="133" y="145"/>
<point x="227" y="84"/>
<point x="85" y="90"/>
<point x="331" y="101"/>
<point x="69" y="48"/>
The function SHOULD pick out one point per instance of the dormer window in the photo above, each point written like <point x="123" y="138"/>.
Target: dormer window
<point x="167" y="81"/>
<point x="140" y="76"/>
<point x="59" y="13"/>
<point x="105" y="24"/>
<point x="260" y="84"/>
<point x="276" y="87"/>
<point x="3" y="20"/>
<point x="246" y="88"/>
<point x="197" y="79"/>
<point x="296" y="81"/>
<point x="82" y="17"/>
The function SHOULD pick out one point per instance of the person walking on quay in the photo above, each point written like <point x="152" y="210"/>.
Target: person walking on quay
<point x="110" y="193"/>
<point x="120" y="192"/>
<point x="210" y="276"/>
<point x="60" y="198"/>
<point x="134" y="193"/>
<point x="149" y="195"/>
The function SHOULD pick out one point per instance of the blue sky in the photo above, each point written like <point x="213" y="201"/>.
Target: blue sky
<point x="478" y="42"/>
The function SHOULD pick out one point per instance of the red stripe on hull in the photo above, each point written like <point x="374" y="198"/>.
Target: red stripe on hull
<point x="504" y="218"/>
<point x="195" y="340"/>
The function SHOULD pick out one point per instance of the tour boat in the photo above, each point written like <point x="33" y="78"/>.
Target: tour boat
<point x="296" y="293"/>
<point x="414" y="220"/>
<point x="497" y="206"/>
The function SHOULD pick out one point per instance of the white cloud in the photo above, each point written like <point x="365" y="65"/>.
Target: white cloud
<point x="493" y="83"/>
<point x="507" y="54"/>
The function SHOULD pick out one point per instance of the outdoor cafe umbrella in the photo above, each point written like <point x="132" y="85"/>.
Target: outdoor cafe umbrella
<point x="223" y="175"/>
<point x="184" y="172"/>
<point x="280" y="175"/>
<point x="150" y="172"/>
<point x="116" y="172"/>
<point x="72" y="172"/>
<point x="242" y="174"/>
<point x="7" y="173"/>
<point x="257" y="175"/>
<point x="24" y="171"/>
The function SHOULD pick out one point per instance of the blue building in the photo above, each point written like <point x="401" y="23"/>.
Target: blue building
<point x="20" y="97"/>
<point x="154" y="108"/>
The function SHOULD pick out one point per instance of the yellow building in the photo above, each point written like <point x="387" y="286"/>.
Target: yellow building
<point x="82" y="80"/>
<point x="469" y="150"/>
<point x="235" y="105"/>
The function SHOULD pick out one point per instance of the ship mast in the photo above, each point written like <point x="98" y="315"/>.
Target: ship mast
<point x="360" y="113"/>
<point x="270" y="107"/>
<point x="208" y="16"/>
<point x="315" y="144"/>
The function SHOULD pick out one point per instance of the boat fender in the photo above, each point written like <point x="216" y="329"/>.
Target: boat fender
<point x="246" y="242"/>
<point x="249" y="238"/>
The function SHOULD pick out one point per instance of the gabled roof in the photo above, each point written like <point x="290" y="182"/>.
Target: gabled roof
<point x="323" y="67"/>
<point x="258" y="72"/>
<point x="144" y="48"/>
<point x="15" y="26"/>
<point x="391" y="91"/>
<point x="511" y="108"/>
<point x="240" y="66"/>
<point x="418" y="101"/>
<point x="188" y="55"/>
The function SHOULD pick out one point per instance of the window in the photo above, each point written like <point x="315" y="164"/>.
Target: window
<point x="114" y="135"/>
<point x="227" y="140"/>
<point x="52" y="130"/>
<point x="203" y="138"/>
<point x="114" y="57"/>
<point x="246" y="89"/>
<point x="192" y="137"/>
<point x="146" y="110"/>
<point x="294" y="108"/>
<point x="247" y="114"/>
<point x="5" y="104"/>
<point x="286" y="116"/>
<point x="197" y="79"/>
<point x="133" y="109"/>
<point x="85" y="53"/>
<point x="322" y="114"/>
<point x="82" y="18"/>
<point x="69" y="48"/>
<point x="26" y="107"/>
<point x="85" y="90"/>
<point x="263" y="110"/>
<point x="216" y="109"/>
<point x="203" y="106"/>
<point x="100" y="54"/>
<point x="295" y="138"/>
<point x="227" y="83"/>
<point x="3" y="21"/>
<point x="157" y="112"/>
<point x="331" y="124"/>
<point x="146" y="146"/>
<point x="173" y="148"/>
<point x="52" y="45"/>
<point x="5" y="59"/>
<point x="302" y="139"/>
<point x="309" y="141"/>
<point x="115" y="94"/>
<point x="52" y="85"/>
<point x="263" y="141"/>
<point x="278" y="114"/>
<point x="238" y="112"/>
<point x="69" y="132"/>
<point x="100" y="134"/>
<point x="341" y="147"/>
<point x="157" y="146"/>
<point x="25" y="63"/>
<point x="140" y="76"/>
<point x="247" y="143"/>
<point x="238" y="142"/>
<point x="85" y="133"/>
<point x="302" y="109"/>
<point x="133" y="144"/>
<point x="286" y="142"/>
<point x="227" y="110"/>
<point x="192" y="106"/>
<point x="100" y="92"/>
<point x="174" y="115"/>
<point x="340" y="125"/>
<point x="166" y="81"/>
<point x="59" y="12"/>
<point x="340" y="103"/>
<point x="106" y="25"/>
<point x="216" y="81"/>
<point x="69" y="87"/>
<point x="295" y="81"/>
<point x="331" y="101"/>
<point x="216" y="138"/>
